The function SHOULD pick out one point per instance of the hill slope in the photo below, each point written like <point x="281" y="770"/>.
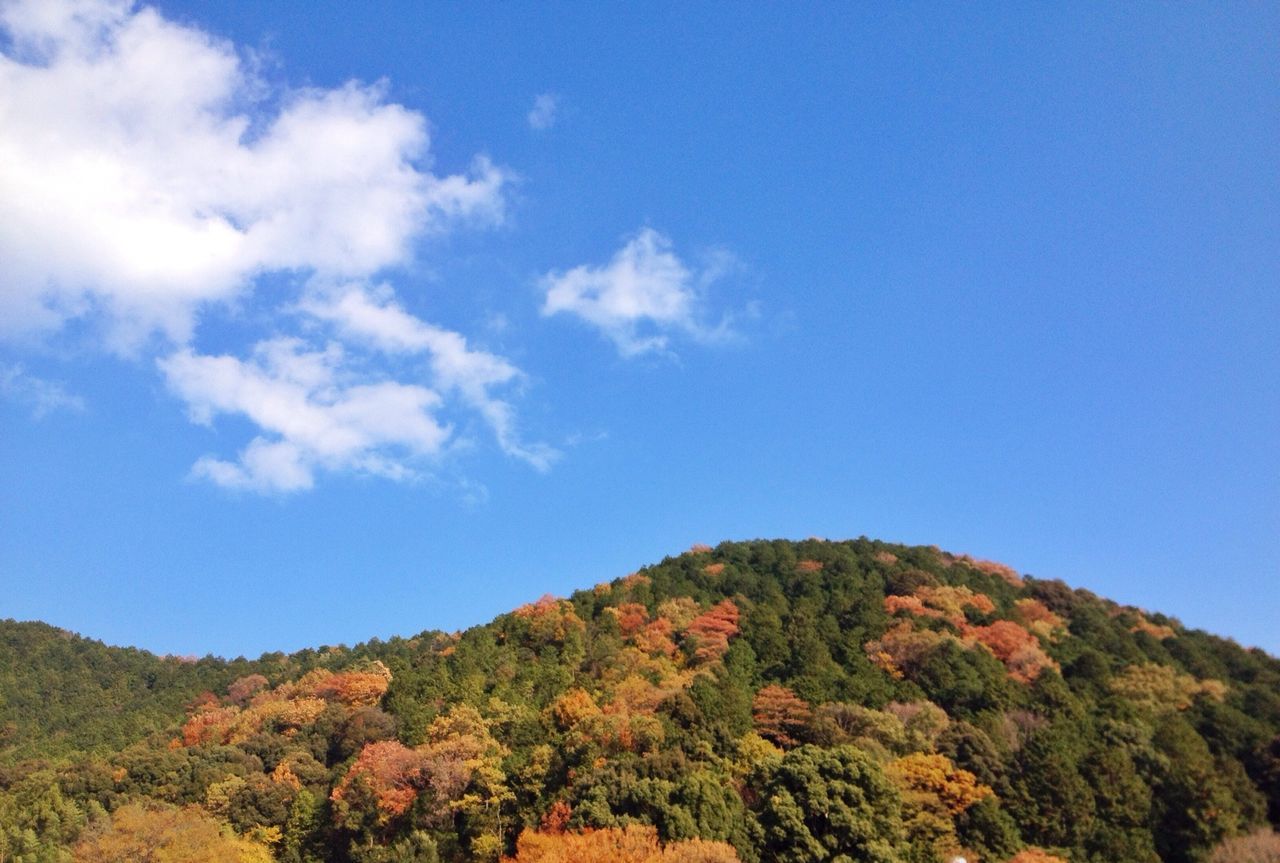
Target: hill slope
<point x="796" y="701"/>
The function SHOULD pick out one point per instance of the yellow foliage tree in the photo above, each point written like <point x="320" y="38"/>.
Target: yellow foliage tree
<point x="632" y="844"/>
<point x="154" y="833"/>
<point x="1162" y="688"/>
<point x="934" y="791"/>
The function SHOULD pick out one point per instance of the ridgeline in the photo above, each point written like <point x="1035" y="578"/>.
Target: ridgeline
<point x="757" y="701"/>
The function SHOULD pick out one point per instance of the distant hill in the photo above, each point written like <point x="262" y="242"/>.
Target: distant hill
<point x="757" y="701"/>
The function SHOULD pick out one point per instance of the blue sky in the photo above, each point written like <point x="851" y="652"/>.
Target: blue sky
<point x="320" y="322"/>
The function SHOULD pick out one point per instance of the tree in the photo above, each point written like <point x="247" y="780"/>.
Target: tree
<point x="1262" y="846"/>
<point x="779" y="715"/>
<point x="828" y="805"/>
<point x="632" y="844"/>
<point x="934" y="791"/>
<point x="153" y="833"/>
<point x="710" y="632"/>
<point x="1049" y="799"/>
<point x="1193" y="810"/>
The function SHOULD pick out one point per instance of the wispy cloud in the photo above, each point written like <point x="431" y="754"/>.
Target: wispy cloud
<point x="42" y="397"/>
<point x="643" y="296"/>
<point x="149" y="179"/>
<point x="316" y="410"/>
<point x="375" y="318"/>
<point x="542" y="115"/>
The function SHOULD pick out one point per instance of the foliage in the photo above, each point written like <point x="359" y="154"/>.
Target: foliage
<point x="631" y="844"/>
<point x="829" y="804"/>
<point x="762" y="701"/>
<point x="1262" y="846"/>
<point x="163" y="834"/>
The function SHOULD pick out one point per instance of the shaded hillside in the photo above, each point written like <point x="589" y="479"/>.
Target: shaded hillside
<point x="61" y="693"/>
<point x="769" y="701"/>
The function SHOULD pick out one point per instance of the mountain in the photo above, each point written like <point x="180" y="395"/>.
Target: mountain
<point x="759" y="701"/>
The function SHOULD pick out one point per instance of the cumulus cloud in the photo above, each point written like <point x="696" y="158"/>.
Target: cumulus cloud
<point x="643" y="295"/>
<point x="149" y="180"/>
<point x="138" y="180"/>
<point x="542" y="115"/>
<point x="41" y="396"/>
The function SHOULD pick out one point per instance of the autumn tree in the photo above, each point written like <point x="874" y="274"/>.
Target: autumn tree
<point x="779" y="714"/>
<point x="153" y="833"/>
<point x="1261" y="846"/>
<point x="710" y="632"/>
<point x="631" y="844"/>
<point x="934" y="791"/>
<point x="1015" y="646"/>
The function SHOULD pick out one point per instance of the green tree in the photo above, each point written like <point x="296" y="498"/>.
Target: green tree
<point x="828" y="805"/>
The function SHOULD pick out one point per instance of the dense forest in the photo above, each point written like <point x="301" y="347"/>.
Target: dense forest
<point x="764" y="702"/>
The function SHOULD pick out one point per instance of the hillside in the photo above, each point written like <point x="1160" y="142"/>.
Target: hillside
<point x="760" y="701"/>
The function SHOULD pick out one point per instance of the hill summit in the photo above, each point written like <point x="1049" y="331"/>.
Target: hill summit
<point x="757" y="701"/>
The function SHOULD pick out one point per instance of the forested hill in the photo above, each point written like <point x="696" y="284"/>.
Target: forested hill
<point x="761" y="701"/>
<point x="61" y="693"/>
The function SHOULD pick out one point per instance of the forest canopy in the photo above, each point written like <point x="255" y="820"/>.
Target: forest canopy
<point x="765" y="702"/>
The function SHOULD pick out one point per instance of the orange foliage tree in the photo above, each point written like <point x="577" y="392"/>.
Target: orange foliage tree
<point x="388" y="777"/>
<point x="363" y="688"/>
<point x="940" y="602"/>
<point x="936" y="782"/>
<point x="911" y="604"/>
<point x="711" y="631"/>
<point x="779" y="714"/>
<point x="388" y="770"/>
<point x="1013" y="645"/>
<point x="989" y="567"/>
<point x="903" y="648"/>
<point x="631" y="616"/>
<point x="550" y="619"/>
<point x="1038" y="618"/>
<point x="656" y="639"/>
<point x="635" y="843"/>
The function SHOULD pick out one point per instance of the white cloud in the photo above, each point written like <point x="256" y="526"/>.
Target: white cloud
<point x="640" y="297"/>
<point x="542" y="115"/>
<point x="320" y="411"/>
<point x="140" y="178"/>
<point x="381" y="323"/>
<point x="149" y="179"/>
<point x="43" y="397"/>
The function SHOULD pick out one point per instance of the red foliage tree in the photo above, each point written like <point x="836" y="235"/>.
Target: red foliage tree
<point x="392" y="772"/>
<point x="244" y="688"/>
